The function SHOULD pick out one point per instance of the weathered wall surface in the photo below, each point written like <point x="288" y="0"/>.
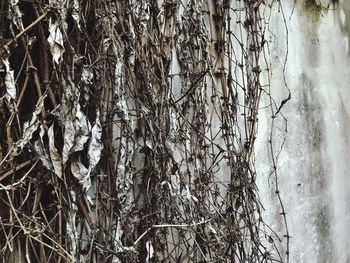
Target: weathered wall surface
<point x="314" y="162"/>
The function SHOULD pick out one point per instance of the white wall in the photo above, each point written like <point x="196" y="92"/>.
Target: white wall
<point x="313" y="165"/>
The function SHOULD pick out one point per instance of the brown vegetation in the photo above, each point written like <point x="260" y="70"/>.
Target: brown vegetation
<point x="128" y="128"/>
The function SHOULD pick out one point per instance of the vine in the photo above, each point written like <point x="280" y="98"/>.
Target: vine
<point x="128" y="131"/>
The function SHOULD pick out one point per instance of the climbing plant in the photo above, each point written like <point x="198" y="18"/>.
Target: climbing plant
<point x="128" y="131"/>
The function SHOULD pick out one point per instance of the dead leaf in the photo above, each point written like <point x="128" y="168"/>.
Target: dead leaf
<point x="55" y="41"/>
<point x="54" y="154"/>
<point x="95" y="146"/>
<point x="81" y="173"/>
<point x="11" y="92"/>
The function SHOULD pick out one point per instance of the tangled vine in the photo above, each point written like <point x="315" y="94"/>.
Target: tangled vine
<point x="128" y="131"/>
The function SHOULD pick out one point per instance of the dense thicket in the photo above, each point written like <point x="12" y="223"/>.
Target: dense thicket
<point x="127" y="131"/>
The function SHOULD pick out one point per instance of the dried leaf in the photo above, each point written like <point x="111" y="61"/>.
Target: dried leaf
<point x="11" y="91"/>
<point x="81" y="173"/>
<point x="29" y="127"/>
<point x="41" y="151"/>
<point x="55" y="41"/>
<point x="54" y="154"/>
<point x="95" y="146"/>
<point x="76" y="126"/>
<point x="82" y="128"/>
<point x="76" y="134"/>
<point x="69" y="134"/>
